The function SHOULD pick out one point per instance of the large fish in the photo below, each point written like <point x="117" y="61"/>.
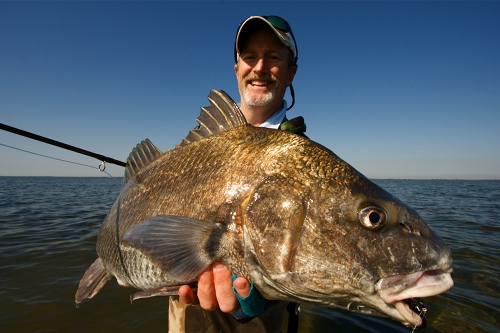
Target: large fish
<point x="275" y="207"/>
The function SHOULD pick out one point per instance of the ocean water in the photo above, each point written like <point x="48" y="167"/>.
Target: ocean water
<point x="48" y="229"/>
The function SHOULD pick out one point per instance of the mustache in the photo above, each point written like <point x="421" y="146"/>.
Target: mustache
<point x="256" y="77"/>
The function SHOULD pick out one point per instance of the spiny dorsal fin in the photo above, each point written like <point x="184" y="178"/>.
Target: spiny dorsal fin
<point x="222" y="115"/>
<point x="142" y="155"/>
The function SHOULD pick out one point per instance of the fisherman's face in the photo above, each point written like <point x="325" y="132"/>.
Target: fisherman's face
<point x="263" y="71"/>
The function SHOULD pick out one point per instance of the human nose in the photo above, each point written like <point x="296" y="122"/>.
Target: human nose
<point x="260" y="66"/>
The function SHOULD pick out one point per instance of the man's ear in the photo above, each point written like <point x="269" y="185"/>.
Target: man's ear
<point x="291" y="74"/>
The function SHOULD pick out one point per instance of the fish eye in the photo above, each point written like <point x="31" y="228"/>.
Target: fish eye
<point x="372" y="218"/>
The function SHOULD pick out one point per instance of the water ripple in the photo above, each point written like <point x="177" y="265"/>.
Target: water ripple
<point x="48" y="230"/>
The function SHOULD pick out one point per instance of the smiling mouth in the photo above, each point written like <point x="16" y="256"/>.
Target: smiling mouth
<point x="257" y="83"/>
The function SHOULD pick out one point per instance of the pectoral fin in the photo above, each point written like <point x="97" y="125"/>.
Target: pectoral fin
<point x="181" y="246"/>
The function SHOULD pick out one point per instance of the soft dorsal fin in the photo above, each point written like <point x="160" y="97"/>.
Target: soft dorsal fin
<point x="142" y="155"/>
<point x="222" y="115"/>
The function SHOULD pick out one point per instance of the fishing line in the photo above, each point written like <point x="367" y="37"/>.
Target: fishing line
<point x="101" y="166"/>
<point x="417" y="306"/>
<point x="61" y="145"/>
<point x="33" y="136"/>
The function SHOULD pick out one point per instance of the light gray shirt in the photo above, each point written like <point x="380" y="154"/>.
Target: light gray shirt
<point x="276" y="119"/>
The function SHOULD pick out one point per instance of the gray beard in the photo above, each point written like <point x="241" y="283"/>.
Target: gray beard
<point x="261" y="100"/>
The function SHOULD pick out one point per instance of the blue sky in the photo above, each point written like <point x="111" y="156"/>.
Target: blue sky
<point x="397" y="89"/>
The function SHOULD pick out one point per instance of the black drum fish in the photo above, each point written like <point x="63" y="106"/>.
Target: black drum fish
<point x="277" y="208"/>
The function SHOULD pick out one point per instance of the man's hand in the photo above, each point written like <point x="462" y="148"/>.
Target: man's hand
<point x="215" y="289"/>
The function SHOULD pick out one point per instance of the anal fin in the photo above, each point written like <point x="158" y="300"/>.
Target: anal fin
<point x="163" y="291"/>
<point x="92" y="281"/>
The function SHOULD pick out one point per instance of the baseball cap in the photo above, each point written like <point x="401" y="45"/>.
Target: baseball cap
<point x="277" y="24"/>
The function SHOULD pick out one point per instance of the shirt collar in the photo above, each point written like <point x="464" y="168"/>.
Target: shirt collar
<point x="276" y="119"/>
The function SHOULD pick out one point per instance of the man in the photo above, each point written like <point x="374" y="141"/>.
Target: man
<point x="266" y="63"/>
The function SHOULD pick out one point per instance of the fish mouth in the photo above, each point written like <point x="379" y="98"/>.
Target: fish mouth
<point x="400" y="293"/>
<point x="410" y="312"/>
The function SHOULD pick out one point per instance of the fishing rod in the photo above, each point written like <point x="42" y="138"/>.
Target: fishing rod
<point x="61" y="145"/>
